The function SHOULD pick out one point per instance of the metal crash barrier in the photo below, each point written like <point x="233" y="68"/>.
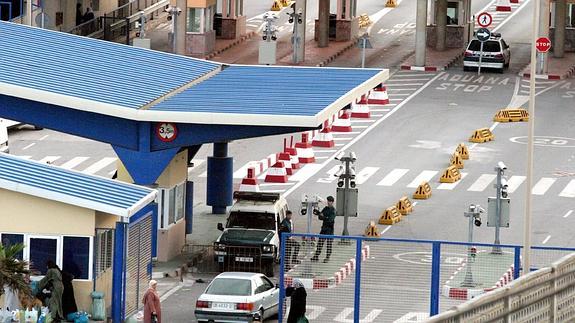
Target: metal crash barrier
<point x="546" y="295"/>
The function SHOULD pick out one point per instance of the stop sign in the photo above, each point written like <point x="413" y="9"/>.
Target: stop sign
<point x="543" y="44"/>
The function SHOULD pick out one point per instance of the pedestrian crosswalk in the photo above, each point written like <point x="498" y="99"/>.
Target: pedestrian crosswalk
<point x="104" y="166"/>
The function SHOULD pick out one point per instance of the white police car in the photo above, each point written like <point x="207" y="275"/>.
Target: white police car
<point x="496" y="54"/>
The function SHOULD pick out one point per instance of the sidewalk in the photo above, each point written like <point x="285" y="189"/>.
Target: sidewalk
<point x="558" y="68"/>
<point x="435" y="60"/>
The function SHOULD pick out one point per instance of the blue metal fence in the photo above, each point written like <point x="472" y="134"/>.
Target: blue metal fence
<point x="387" y="280"/>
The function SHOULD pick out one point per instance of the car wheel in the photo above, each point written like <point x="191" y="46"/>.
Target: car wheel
<point x="501" y="70"/>
<point x="466" y="69"/>
<point x="262" y="314"/>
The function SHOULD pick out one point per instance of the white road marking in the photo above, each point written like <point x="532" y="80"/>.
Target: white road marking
<point x="99" y="165"/>
<point x="393" y="177"/>
<point x="385" y="230"/>
<point x="568" y="213"/>
<point x="365" y="174"/>
<point x="406" y="80"/>
<point x="44" y="137"/>
<point x="514" y="182"/>
<point x="543" y="185"/>
<point x="346" y="133"/>
<point x="324" y="150"/>
<point x="360" y="127"/>
<point x="408" y="89"/>
<point x="321" y="157"/>
<point x="49" y="159"/>
<point x="450" y="186"/>
<point x="493" y="126"/>
<point x="338" y="145"/>
<point x="74" y="162"/>
<point x="414" y="203"/>
<point x="379" y="110"/>
<point x="393" y="86"/>
<point x="373" y="126"/>
<point x="424" y="176"/>
<point x="243" y="171"/>
<point x="569" y="190"/>
<point x="376" y="115"/>
<point x="546" y="239"/>
<point x="305" y="172"/>
<point x="399" y="94"/>
<point x="482" y="183"/>
<point x="25" y="157"/>
<point x="30" y="145"/>
<point x="275" y="184"/>
<point x="395" y="99"/>
<point x="511" y="16"/>
<point x="272" y="191"/>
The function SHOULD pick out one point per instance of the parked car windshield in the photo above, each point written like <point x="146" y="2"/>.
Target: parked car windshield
<point x="488" y="46"/>
<point x="230" y="287"/>
<point x="251" y="220"/>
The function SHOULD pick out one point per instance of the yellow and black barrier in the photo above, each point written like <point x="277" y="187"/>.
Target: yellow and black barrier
<point x="423" y="191"/>
<point x="391" y="3"/>
<point x="462" y="151"/>
<point x="390" y="216"/>
<point x="511" y="115"/>
<point x="276" y="6"/>
<point x="404" y="206"/>
<point x="456" y="160"/>
<point x="482" y="135"/>
<point x="364" y="21"/>
<point x="371" y="230"/>
<point x="285" y="3"/>
<point x="450" y="175"/>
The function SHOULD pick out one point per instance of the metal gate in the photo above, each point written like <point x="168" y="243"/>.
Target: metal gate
<point x="202" y="259"/>
<point x="138" y="263"/>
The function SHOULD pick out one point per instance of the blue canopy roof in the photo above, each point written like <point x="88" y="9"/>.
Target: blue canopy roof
<point x="71" y="187"/>
<point x="139" y="84"/>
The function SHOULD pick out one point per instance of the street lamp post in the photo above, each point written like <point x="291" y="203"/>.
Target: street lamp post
<point x="173" y="13"/>
<point x="296" y="18"/>
<point x="501" y="192"/>
<point x="309" y="207"/>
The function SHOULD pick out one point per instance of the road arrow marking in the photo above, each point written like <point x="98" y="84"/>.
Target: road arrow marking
<point x="427" y="144"/>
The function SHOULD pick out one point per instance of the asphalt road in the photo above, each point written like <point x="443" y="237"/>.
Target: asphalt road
<point x="429" y="114"/>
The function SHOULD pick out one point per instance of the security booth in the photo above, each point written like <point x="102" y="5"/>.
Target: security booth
<point x="97" y="229"/>
<point x="458" y="28"/>
<point x="230" y="20"/>
<point x="200" y="34"/>
<point x="344" y="24"/>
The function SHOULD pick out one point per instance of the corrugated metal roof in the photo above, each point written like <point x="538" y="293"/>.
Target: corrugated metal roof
<point x="71" y="187"/>
<point x="144" y="85"/>
<point x="91" y="69"/>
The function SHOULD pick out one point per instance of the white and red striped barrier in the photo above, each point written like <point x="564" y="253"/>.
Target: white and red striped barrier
<point x="277" y="173"/>
<point x="286" y="159"/>
<point x="343" y="123"/>
<point x="503" y="5"/>
<point x="292" y="151"/>
<point x="360" y="110"/>
<point x="250" y="182"/>
<point x="378" y="96"/>
<point x="304" y="150"/>
<point x="324" y="138"/>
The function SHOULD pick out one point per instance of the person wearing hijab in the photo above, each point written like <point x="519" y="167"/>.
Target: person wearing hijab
<point x="151" y="301"/>
<point x="298" y="302"/>
<point x="53" y="282"/>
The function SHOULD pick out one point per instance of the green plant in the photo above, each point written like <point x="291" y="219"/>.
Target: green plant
<point x="13" y="271"/>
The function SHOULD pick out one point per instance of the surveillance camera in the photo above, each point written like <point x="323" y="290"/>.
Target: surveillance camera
<point x="299" y="21"/>
<point x="169" y="17"/>
<point x="303" y="211"/>
<point x="339" y="155"/>
<point x="316" y="211"/>
<point x="264" y="37"/>
<point x="352" y="172"/>
<point x="504" y="184"/>
<point x="501" y="166"/>
<point x="291" y="20"/>
<point x="137" y="34"/>
<point x="340" y="184"/>
<point x="352" y="184"/>
<point x="274" y="38"/>
<point x="339" y="171"/>
<point x="477" y="221"/>
<point x="353" y="156"/>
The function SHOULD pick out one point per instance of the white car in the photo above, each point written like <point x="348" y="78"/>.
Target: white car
<point x="496" y="54"/>
<point x="238" y="297"/>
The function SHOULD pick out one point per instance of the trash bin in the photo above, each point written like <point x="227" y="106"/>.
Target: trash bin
<point x="98" y="306"/>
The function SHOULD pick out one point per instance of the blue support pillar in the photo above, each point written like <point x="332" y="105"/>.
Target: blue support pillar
<point x="220" y="179"/>
<point x="357" y="296"/>
<point x="517" y="262"/>
<point x="435" y="273"/>
<point x="282" y="280"/>
<point x="189" y="206"/>
<point x="118" y="270"/>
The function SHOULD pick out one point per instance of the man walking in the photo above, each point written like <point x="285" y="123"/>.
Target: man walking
<point x="327" y="215"/>
<point x="286" y="226"/>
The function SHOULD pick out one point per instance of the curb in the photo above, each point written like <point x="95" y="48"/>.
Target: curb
<point x="338" y="277"/>
<point x="463" y="293"/>
<point x="337" y="54"/>
<point x="433" y="68"/>
<point x="566" y="75"/>
<point x="230" y="45"/>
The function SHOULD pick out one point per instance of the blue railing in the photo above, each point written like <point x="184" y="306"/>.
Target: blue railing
<point x="434" y="274"/>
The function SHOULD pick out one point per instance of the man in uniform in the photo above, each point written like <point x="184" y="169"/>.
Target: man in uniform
<point x="287" y="226"/>
<point x="327" y="215"/>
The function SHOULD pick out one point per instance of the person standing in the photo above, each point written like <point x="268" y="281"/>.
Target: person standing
<point x="152" y="306"/>
<point x="53" y="282"/>
<point x="79" y="14"/>
<point x="327" y="215"/>
<point x="298" y="302"/>
<point x="286" y="226"/>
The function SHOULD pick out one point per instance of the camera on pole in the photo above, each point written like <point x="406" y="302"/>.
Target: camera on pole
<point x="347" y="191"/>
<point x="498" y="215"/>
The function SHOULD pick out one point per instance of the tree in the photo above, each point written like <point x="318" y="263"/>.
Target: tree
<point x="13" y="271"/>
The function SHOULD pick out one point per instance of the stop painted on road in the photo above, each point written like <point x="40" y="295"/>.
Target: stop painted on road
<point x="424" y="258"/>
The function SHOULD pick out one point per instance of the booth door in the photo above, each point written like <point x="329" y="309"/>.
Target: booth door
<point x="138" y="263"/>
